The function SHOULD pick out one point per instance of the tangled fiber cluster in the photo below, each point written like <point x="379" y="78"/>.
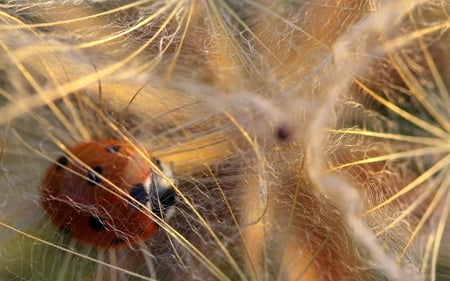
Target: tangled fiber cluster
<point x="306" y="140"/>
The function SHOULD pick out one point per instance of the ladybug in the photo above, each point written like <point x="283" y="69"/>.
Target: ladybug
<point x="85" y="193"/>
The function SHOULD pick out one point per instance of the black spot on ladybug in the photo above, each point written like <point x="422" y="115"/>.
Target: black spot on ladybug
<point x="96" y="223"/>
<point x="113" y="148"/>
<point x="62" y="161"/>
<point x="162" y="200"/>
<point x="93" y="179"/>
<point x="138" y="192"/>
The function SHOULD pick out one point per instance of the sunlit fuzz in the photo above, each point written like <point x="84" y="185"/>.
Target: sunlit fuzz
<point x="297" y="140"/>
<point x="389" y="141"/>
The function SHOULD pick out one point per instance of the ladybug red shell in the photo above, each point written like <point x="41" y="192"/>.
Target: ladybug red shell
<point x="85" y="193"/>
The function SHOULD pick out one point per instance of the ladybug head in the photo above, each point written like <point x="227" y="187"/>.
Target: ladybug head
<point x="162" y="195"/>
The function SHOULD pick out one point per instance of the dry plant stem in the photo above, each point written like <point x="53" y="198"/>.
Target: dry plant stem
<point x="243" y="101"/>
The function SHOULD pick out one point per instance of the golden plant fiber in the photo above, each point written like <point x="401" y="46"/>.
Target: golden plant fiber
<point x="308" y="140"/>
